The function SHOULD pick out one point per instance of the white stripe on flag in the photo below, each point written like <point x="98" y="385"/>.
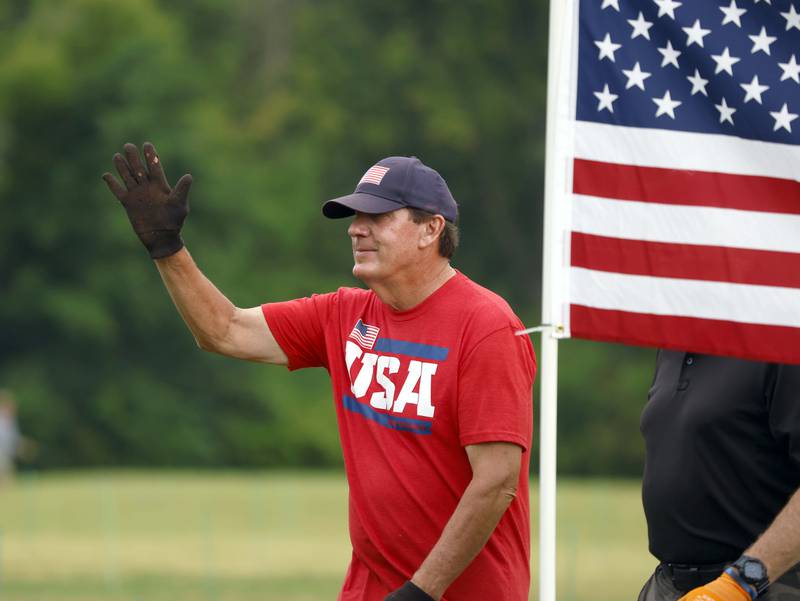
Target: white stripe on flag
<point x="766" y="305"/>
<point x="682" y="224"/>
<point x="685" y="150"/>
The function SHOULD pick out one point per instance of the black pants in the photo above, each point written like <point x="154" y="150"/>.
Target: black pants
<point x="660" y="587"/>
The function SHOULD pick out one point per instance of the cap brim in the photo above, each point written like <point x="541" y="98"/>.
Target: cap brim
<point x="346" y="206"/>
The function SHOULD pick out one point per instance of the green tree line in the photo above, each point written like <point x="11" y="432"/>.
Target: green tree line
<point x="273" y="106"/>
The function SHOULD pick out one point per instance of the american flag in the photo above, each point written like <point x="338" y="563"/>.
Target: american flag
<point x="364" y="334"/>
<point x="684" y="229"/>
<point x="374" y="175"/>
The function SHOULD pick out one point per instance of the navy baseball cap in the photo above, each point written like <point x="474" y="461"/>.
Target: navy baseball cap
<point x="393" y="183"/>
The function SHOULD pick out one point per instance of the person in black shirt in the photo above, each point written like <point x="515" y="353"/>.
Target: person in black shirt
<point x="722" y="479"/>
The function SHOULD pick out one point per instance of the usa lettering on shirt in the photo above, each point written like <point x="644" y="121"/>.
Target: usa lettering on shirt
<point x="382" y="382"/>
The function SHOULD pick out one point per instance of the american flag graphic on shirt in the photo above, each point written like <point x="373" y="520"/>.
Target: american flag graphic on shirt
<point x="364" y="334"/>
<point x="374" y="175"/>
<point x="683" y="228"/>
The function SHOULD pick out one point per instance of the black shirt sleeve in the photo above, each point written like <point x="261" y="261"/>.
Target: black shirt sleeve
<point x="783" y="401"/>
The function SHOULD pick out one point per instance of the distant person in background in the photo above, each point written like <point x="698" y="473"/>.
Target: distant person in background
<point x="721" y="479"/>
<point x="432" y="386"/>
<point x="10" y="439"/>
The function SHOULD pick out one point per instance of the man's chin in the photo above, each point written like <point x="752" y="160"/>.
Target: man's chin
<point x="363" y="272"/>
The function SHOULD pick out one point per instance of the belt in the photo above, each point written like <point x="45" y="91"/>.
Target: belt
<point x="685" y="577"/>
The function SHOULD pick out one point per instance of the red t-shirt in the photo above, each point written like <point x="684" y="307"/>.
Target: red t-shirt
<point x="411" y="390"/>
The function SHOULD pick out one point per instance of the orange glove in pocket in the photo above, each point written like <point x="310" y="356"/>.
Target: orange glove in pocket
<point x="723" y="588"/>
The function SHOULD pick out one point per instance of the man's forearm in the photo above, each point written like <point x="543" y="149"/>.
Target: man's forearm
<point x="206" y="311"/>
<point x="157" y="212"/>
<point x="470" y="526"/>
<point x="779" y="546"/>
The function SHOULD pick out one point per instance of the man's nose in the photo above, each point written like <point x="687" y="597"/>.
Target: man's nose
<point x="358" y="227"/>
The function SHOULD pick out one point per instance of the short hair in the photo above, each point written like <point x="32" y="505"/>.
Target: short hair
<point x="448" y="239"/>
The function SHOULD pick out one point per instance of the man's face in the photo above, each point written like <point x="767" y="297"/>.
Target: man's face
<point x="384" y="245"/>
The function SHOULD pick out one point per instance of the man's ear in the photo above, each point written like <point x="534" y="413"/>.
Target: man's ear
<point x="431" y="231"/>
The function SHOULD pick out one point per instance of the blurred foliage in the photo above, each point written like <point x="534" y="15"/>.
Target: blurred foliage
<point x="274" y="106"/>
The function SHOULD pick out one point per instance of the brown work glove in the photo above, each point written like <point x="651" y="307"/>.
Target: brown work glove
<point x="155" y="210"/>
<point x="409" y="592"/>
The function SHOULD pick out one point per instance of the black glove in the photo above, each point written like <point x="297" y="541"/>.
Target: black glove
<point x="155" y="210"/>
<point x="409" y="592"/>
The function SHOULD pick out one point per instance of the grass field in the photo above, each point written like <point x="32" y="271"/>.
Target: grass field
<point x="181" y="536"/>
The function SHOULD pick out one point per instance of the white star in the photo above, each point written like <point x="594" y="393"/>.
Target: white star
<point x="791" y="70"/>
<point x="635" y="77"/>
<point x="698" y="83"/>
<point x="615" y="4"/>
<point x="792" y="18"/>
<point x="783" y="119"/>
<point x="607" y="48"/>
<point x="695" y="34"/>
<point x="667" y="7"/>
<point x="666" y="105"/>
<point x="606" y="99"/>
<point x="670" y="55"/>
<point x="725" y="61"/>
<point x="725" y="112"/>
<point x="761" y="41"/>
<point x="640" y="26"/>
<point x="754" y="90"/>
<point x="767" y="1"/>
<point x="733" y="14"/>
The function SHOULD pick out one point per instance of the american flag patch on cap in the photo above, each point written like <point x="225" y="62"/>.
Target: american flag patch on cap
<point x="374" y="175"/>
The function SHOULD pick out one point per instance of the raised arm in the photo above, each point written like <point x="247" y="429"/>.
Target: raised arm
<point x="157" y="212"/>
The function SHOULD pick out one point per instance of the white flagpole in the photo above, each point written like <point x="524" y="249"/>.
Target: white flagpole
<point x="560" y="79"/>
<point x="547" y="468"/>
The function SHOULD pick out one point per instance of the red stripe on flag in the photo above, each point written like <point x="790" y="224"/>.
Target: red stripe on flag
<point x="686" y="261"/>
<point x="695" y="188"/>
<point x="748" y="341"/>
